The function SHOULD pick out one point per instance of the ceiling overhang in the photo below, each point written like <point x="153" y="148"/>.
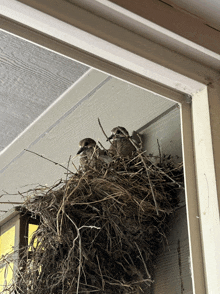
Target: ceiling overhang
<point x="69" y="29"/>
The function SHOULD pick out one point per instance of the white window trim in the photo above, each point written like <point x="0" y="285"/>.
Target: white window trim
<point x="197" y="91"/>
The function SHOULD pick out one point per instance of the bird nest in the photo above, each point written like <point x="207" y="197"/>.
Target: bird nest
<point x="100" y="230"/>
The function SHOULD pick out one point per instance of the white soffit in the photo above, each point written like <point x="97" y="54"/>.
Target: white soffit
<point x="32" y="78"/>
<point x="56" y="133"/>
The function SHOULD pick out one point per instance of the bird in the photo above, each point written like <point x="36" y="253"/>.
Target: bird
<point x="121" y="145"/>
<point x="91" y="154"/>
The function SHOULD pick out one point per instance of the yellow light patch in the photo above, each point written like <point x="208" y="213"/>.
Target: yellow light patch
<point x="6" y="275"/>
<point x="7" y="241"/>
<point x="2" y="278"/>
<point x="10" y="272"/>
<point x="31" y="229"/>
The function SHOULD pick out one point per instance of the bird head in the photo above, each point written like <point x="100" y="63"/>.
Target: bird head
<point x="86" y="144"/>
<point x="118" y="132"/>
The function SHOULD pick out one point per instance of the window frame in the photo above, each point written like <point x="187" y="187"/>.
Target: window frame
<point x="159" y="69"/>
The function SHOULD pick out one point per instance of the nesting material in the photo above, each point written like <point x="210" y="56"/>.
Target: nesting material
<point x="101" y="229"/>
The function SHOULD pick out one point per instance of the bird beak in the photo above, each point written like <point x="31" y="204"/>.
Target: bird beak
<point x="80" y="150"/>
<point x="109" y="138"/>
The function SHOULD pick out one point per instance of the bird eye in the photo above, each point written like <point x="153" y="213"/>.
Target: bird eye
<point x="118" y="132"/>
<point x="86" y="144"/>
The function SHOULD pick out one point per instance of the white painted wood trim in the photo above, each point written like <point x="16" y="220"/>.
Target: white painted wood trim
<point x="199" y="161"/>
<point x="154" y="32"/>
<point x="202" y="188"/>
<point x="208" y="202"/>
<point x="96" y="46"/>
<point x="149" y="40"/>
<point x="193" y="222"/>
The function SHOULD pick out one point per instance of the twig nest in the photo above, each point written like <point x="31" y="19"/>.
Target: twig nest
<point x="100" y="230"/>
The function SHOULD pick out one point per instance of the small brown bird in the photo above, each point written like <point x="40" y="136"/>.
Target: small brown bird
<point x="91" y="154"/>
<point x="121" y="144"/>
